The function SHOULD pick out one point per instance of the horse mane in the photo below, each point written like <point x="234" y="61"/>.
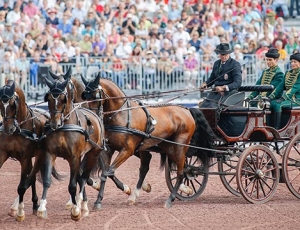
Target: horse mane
<point x="109" y="79"/>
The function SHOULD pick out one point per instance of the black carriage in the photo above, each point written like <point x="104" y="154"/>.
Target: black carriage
<point x="252" y="157"/>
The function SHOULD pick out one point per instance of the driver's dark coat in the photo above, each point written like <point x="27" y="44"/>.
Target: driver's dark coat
<point x="230" y="74"/>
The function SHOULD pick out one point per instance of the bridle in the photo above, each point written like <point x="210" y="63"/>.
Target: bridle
<point x="98" y="96"/>
<point x="5" y="100"/>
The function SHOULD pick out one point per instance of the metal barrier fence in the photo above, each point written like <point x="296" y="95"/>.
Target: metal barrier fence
<point x="133" y="77"/>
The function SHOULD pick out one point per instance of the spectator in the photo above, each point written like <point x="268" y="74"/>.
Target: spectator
<point x="129" y="24"/>
<point x="124" y="49"/>
<point x="195" y="42"/>
<point x="65" y="63"/>
<point x="86" y="44"/>
<point x="165" y="71"/>
<point x="51" y="63"/>
<point x="2" y="17"/>
<point x="8" y="33"/>
<point x="281" y="51"/>
<point x="210" y="39"/>
<point x="74" y="36"/>
<point x="88" y="30"/>
<point x="237" y="53"/>
<point x="149" y="67"/>
<point x="166" y="47"/>
<point x="174" y="12"/>
<point x="118" y="70"/>
<point x="294" y="3"/>
<point x="100" y="43"/>
<point x="281" y="37"/>
<point x="50" y="29"/>
<point x="92" y="19"/>
<point x="108" y="13"/>
<point x="65" y="26"/>
<point x="7" y="69"/>
<point x="22" y="68"/>
<point x="30" y="9"/>
<point x="141" y="30"/>
<point x="79" y="11"/>
<point x="195" y="24"/>
<point x="69" y="49"/>
<point x="34" y="67"/>
<point x="14" y="15"/>
<point x="291" y="45"/>
<point x="106" y="66"/>
<point x="6" y="8"/>
<point x="114" y="38"/>
<point x="181" y="34"/>
<point x="35" y="31"/>
<point x="127" y="34"/>
<point x="190" y="68"/>
<point x="281" y="4"/>
<point x="52" y="18"/>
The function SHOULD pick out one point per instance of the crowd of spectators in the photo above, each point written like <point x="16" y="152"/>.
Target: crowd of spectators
<point x="162" y="36"/>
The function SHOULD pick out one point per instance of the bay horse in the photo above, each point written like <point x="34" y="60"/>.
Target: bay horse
<point x="75" y="134"/>
<point x="107" y="155"/>
<point x="132" y="127"/>
<point x="21" y="128"/>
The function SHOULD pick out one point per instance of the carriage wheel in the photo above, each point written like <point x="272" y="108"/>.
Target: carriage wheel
<point x="195" y="177"/>
<point x="291" y="166"/>
<point x="227" y="165"/>
<point x="257" y="174"/>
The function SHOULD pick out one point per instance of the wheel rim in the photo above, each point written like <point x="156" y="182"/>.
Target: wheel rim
<point x="257" y="174"/>
<point x="194" y="177"/>
<point x="228" y="165"/>
<point x="291" y="166"/>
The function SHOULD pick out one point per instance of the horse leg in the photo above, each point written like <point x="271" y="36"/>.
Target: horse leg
<point x="74" y="170"/>
<point x="26" y="167"/>
<point x="180" y="176"/>
<point x="46" y="171"/>
<point x="145" y="186"/>
<point x="144" y="168"/>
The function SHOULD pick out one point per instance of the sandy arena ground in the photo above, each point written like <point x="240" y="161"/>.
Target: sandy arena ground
<point x="216" y="208"/>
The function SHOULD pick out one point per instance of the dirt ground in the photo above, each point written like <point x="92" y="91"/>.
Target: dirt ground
<point x="216" y="208"/>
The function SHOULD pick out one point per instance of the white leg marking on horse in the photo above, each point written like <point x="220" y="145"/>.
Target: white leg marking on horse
<point x="21" y="209"/>
<point x="42" y="207"/>
<point x="186" y="189"/>
<point x="69" y="204"/>
<point x="75" y="210"/>
<point x="84" y="209"/>
<point x="133" y="196"/>
<point x="127" y="190"/>
<point x="79" y="199"/>
<point x="14" y="207"/>
<point x="146" y="187"/>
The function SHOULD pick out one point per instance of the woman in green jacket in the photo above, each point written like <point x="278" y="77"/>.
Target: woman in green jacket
<point x="287" y="93"/>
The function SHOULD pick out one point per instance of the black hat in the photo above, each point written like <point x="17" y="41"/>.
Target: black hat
<point x="223" y="48"/>
<point x="295" y="56"/>
<point x="272" y="53"/>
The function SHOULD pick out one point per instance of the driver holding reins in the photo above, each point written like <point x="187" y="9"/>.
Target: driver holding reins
<point x="226" y="76"/>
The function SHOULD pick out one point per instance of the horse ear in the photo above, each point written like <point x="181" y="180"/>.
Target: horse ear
<point x="46" y="97"/>
<point x="53" y="76"/>
<point x="13" y="87"/>
<point x="97" y="79"/>
<point x="83" y="97"/>
<point x="68" y="73"/>
<point x="48" y="82"/>
<point x="64" y="84"/>
<point x="85" y="82"/>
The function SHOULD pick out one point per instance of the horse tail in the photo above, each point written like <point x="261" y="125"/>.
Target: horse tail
<point x="203" y="136"/>
<point x="54" y="173"/>
<point x="163" y="159"/>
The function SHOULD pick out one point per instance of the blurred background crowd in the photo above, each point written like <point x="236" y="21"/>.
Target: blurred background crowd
<point x="148" y="44"/>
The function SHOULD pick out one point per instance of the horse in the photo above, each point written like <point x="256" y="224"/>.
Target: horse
<point x="107" y="155"/>
<point x="19" y="133"/>
<point x="133" y="127"/>
<point x="75" y="134"/>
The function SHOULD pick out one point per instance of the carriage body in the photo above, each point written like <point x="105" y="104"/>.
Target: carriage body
<point x="252" y="156"/>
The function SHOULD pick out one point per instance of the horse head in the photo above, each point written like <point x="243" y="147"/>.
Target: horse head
<point x="59" y="100"/>
<point x="9" y="105"/>
<point x="93" y="93"/>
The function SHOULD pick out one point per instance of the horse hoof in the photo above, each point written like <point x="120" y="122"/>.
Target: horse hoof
<point x="20" y="218"/>
<point x="127" y="190"/>
<point x="85" y="213"/>
<point x="42" y="214"/>
<point x="168" y="205"/>
<point x="69" y="206"/>
<point x="13" y="212"/>
<point x="97" y="207"/>
<point x="146" y="187"/>
<point x="34" y="212"/>
<point x="76" y="218"/>
<point x="130" y="202"/>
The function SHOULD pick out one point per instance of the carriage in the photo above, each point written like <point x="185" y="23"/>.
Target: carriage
<point x="251" y="156"/>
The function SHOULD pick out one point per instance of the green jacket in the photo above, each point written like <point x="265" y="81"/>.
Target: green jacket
<point x="291" y="85"/>
<point x="272" y="76"/>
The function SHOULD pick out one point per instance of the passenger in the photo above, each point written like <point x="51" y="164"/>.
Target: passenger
<point x="226" y="76"/>
<point x="271" y="76"/>
<point x="291" y="84"/>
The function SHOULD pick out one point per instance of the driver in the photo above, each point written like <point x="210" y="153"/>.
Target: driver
<point x="226" y="76"/>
